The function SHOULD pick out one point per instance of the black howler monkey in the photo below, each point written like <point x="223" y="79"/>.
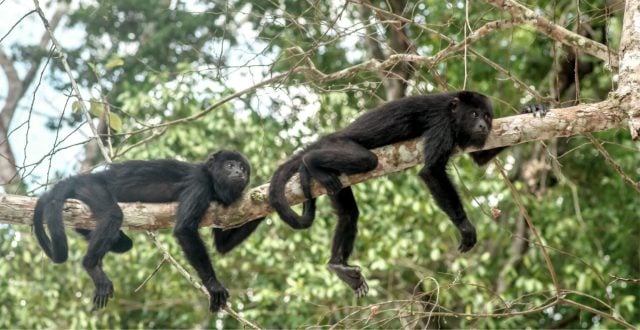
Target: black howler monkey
<point x="222" y="178"/>
<point x="445" y="121"/>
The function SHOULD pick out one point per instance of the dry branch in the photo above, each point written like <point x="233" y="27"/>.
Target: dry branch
<point x="507" y="131"/>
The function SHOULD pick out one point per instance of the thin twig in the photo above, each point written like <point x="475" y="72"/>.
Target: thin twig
<point x="162" y="262"/>
<point x="613" y="163"/>
<point x="74" y="85"/>
<point x="597" y="312"/>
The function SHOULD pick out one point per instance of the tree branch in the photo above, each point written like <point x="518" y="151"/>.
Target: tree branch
<point x="507" y="131"/>
<point x="629" y="73"/>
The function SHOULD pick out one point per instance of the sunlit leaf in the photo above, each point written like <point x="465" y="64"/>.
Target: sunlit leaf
<point x="97" y="108"/>
<point x="114" y="63"/>
<point x="76" y="106"/>
<point x="114" y="121"/>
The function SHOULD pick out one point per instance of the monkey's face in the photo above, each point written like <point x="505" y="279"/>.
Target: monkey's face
<point x="474" y="124"/>
<point x="229" y="168"/>
<point x="235" y="171"/>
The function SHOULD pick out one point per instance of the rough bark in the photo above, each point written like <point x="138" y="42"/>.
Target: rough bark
<point x="507" y="131"/>
<point x="629" y="73"/>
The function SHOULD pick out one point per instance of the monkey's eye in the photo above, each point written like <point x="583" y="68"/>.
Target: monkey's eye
<point x="474" y="114"/>
<point x="228" y="165"/>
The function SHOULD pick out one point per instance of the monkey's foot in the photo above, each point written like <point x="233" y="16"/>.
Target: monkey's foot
<point x="217" y="295"/>
<point x="352" y="276"/>
<point x="469" y="238"/>
<point x="330" y="182"/>
<point x="122" y="245"/>
<point x="540" y="109"/>
<point x="104" y="291"/>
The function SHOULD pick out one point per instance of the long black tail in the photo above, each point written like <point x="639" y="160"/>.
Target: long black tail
<point x="278" y="201"/>
<point x="50" y="204"/>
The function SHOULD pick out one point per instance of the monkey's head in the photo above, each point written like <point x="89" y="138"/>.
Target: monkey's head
<point x="472" y="116"/>
<point x="230" y="172"/>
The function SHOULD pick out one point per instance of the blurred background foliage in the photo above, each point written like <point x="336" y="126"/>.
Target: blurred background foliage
<point x="159" y="62"/>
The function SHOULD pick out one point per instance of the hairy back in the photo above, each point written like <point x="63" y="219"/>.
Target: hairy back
<point x="153" y="181"/>
<point x="398" y="120"/>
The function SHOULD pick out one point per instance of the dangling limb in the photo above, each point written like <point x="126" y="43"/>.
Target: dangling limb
<point x="344" y="238"/>
<point x="446" y="197"/>
<point x="108" y="217"/>
<point x="193" y="203"/>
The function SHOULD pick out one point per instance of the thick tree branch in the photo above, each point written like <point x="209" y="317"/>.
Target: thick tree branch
<point x="507" y="131"/>
<point x="629" y="73"/>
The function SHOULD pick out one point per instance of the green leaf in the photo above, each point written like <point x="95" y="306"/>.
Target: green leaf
<point x="114" y="62"/>
<point x="96" y="109"/>
<point x="93" y="67"/>
<point x="114" y="121"/>
<point x="76" y="106"/>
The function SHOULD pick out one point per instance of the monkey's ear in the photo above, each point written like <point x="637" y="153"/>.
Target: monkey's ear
<point x="453" y="104"/>
<point x="212" y="159"/>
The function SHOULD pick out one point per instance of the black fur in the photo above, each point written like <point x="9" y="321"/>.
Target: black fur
<point x="222" y="179"/>
<point x="445" y="121"/>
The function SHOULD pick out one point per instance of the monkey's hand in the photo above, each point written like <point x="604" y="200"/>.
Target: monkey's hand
<point x="468" y="233"/>
<point x="217" y="295"/>
<point x="103" y="287"/>
<point x="540" y="109"/>
<point x="104" y="291"/>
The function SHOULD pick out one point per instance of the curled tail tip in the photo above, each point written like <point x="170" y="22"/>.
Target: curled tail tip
<point x="59" y="259"/>
<point x="55" y="245"/>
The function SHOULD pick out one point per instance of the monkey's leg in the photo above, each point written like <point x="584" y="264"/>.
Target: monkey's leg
<point x="193" y="203"/>
<point x="109" y="218"/>
<point x="448" y="200"/>
<point x="226" y="240"/>
<point x="122" y="245"/>
<point x="338" y="157"/>
<point x="344" y="238"/>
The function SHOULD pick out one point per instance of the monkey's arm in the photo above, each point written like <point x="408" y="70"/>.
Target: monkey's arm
<point x="193" y="203"/>
<point x="437" y="149"/>
<point x="446" y="197"/>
